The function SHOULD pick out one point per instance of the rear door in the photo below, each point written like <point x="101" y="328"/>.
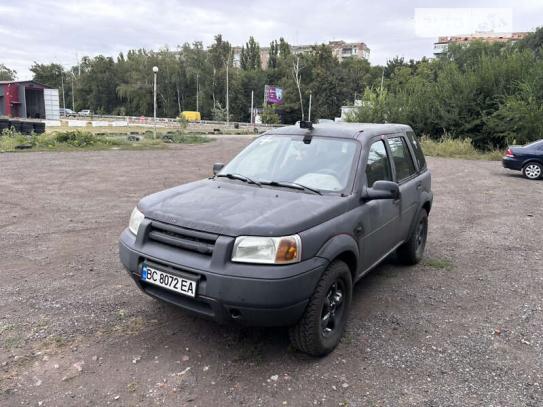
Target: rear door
<point x="407" y="176"/>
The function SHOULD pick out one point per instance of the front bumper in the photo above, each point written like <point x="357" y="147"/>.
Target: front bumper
<point x="256" y="295"/>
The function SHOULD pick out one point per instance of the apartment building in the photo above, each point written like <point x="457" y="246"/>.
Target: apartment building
<point x="341" y="50"/>
<point x="442" y="44"/>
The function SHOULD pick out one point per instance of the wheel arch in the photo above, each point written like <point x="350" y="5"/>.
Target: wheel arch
<point x="532" y="160"/>
<point x="427" y="206"/>
<point x="342" y="247"/>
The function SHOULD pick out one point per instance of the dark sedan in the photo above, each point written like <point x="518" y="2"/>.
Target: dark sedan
<point x="528" y="159"/>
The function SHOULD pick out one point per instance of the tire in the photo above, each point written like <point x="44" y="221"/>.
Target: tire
<point x="412" y="251"/>
<point x="27" y="128"/>
<point x="39" y="127"/>
<point x="532" y="170"/>
<point x="323" y="322"/>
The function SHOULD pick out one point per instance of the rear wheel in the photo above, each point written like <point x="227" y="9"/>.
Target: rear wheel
<point x="412" y="251"/>
<point x="532" y="170"/>
<point x="323" y="323"/>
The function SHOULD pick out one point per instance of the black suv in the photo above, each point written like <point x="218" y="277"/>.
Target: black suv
<point x="279" y="235"/>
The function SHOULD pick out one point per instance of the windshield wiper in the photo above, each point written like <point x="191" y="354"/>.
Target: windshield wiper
<point x="240" y="177"/>
<point x="293" y="185"/>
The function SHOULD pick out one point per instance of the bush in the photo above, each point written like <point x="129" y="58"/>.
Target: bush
<point x="456" y="148"/>
<point x="9" y="139"/>
<point x="182" y="121"/>
<point x="77" y="138"/>
<point x="218" y="113"/>
<point x="270" y="116"/>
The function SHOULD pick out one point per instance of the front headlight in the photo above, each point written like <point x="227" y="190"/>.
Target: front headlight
<point x="267" y="250"/>
<point x="135" y="219"/>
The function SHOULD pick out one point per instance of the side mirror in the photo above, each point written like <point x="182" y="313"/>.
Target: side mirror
<point x="382" y="190"/>
<point x="217" y="167"/>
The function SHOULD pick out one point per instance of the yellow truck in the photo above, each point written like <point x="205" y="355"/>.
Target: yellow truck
<point x="191" y="116"/>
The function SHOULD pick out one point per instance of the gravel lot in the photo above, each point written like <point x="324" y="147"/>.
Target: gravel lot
<point x="463" y="328"/>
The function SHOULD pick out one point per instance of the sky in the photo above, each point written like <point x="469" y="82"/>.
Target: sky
<point x="46" y="31"/>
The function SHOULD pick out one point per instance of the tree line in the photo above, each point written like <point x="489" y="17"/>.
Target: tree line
<point x="191" y="76"/>
<point x="491" y="93"/>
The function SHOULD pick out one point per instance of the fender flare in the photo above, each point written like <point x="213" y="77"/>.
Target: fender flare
<point x="339" y="245"/>
<point x="426" y="198"/>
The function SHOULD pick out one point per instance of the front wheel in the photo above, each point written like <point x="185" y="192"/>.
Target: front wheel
<point x="532" y="170"/>
<point x="323" y="323"/>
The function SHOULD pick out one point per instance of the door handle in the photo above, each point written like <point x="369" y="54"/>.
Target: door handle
<point x="419" y="185"/>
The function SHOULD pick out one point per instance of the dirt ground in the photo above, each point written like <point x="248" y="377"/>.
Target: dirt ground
<point x="464" y="328"/>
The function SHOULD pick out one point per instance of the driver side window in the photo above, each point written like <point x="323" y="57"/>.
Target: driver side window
<point x="378" y="166"/>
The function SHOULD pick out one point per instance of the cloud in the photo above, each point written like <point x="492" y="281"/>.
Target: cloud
<point x="56" y="31"/>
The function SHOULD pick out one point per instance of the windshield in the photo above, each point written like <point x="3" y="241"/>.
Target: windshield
<point x="324" y="164"/>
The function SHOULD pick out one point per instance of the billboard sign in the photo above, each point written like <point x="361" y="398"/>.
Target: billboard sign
<point x="273" y="95"/>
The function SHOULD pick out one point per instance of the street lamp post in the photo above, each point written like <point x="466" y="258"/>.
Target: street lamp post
<point x="227" y="97"/>
<point x="73" y="92"/>
<point x="155" y="70"/>
<point x="63" y="94"/>
<point x="197" y="91"/>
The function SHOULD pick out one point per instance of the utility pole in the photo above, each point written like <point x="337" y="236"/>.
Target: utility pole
<point x="155" y="70"/>
<point x="63" y="95"/>
<point x="197" y="91"/>
<point x="252" y="104"/>
<point x="73" y="92"/>
<point x="227" y="97"/>
<point x="227" y="88"/>
<point x="309" y="113"/>
<point x="78" y="64"/>
<point x="298" y="81"/>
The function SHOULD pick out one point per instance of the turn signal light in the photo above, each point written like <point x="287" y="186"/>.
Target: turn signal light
<point x="287" y="251"/>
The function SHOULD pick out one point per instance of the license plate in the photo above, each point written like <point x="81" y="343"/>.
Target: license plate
<point x="174" y="283"/>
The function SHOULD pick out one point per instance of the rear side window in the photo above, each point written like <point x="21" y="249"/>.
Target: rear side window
<point x="378" y="167"/>
<point x="419" y="155"/>
<point x="402" y="158"/>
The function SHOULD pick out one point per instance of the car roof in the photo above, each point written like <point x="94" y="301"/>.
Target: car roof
<point x="341" y="130"/>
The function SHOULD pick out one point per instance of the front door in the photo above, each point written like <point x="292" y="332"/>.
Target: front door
<point x="379" y="218"/>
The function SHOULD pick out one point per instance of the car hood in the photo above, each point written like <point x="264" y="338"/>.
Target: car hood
<point x="234" y="209"/>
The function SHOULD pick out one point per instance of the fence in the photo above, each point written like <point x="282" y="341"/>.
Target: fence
<point x="124" y="121"/>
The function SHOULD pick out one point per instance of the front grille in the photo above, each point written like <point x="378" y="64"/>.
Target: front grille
<point x="186" y="239"/>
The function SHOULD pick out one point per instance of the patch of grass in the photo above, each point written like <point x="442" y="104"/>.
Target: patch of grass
<point x="56" y="341"/>
<point x="71" y="140"/>
<point x="183" y="138"/>
<point x="127" y="326"/>
<point x="347" y="338"/>
<point x="14" y="341"/>
<point x="10" y="337"/>
<point x="442" y="264"/>
<point x="457" y="148"/>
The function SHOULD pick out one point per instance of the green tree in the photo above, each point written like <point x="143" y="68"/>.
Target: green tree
<point x="533" y="42"/>
<point x="250" y="56"/>
<point x="7" y="74"/>
<point x="48" y="74"/>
